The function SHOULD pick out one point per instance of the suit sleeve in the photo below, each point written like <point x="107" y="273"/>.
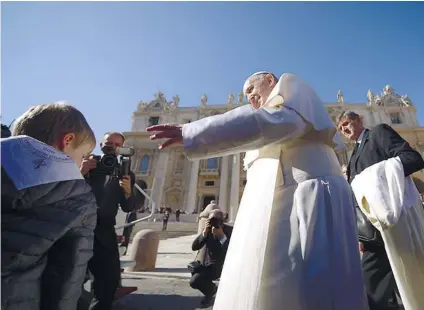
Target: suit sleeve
<point x="240" y="130"/>
<point x="127" y="204"/>
<point x="390" y="141"/>
<point x="199" y="242"/>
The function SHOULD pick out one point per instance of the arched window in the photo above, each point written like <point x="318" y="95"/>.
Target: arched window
<point x="144" y="166"/>
<point x="212" y="163"/>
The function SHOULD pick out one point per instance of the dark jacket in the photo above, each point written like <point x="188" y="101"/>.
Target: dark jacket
<point x="109" y="196"/>
<point x="216" y="250"/>
<point x="382" y="143"/>
<point x="378" y="144"/>
<point x="47" y="240"/>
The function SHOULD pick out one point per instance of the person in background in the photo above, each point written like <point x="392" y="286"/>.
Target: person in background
<point x="373" y="146"/>
<point x="165" y="219"/>
<point x="216" y="236"/>
<point x="48" y="211"/>
<point x="111" y="193"/>
<point x="344" y="171"/>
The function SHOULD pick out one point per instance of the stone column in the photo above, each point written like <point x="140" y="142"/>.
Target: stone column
<point x="223" y="185"/>
<point x="199" y="203"/>
<point x="159" y="178"/>
<point x="192" y="187"/>
<point x="235" y="187"/>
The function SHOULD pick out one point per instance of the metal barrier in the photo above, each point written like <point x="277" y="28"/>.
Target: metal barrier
<point x="144" y="218"/>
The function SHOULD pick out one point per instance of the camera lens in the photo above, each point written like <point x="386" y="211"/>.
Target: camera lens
<point x="109" y="161"/>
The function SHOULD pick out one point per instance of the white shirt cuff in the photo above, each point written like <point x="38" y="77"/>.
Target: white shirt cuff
<point x="223" y="239"/>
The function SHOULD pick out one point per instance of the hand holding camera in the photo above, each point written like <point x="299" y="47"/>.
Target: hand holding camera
<point x="208" y="228"/>
<point x="88" y="164"/>
<point x="125" y="184"/>
<point x="213" y="226"/>
<point x="115" y="162"/>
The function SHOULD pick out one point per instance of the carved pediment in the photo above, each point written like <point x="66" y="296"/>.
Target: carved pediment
<point x="159" y="103"/>
<point x="388" y="98"/>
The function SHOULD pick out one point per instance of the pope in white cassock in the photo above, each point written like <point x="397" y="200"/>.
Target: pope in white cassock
<point x="294" y="244"/>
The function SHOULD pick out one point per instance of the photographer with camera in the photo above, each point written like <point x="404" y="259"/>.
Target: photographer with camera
<point x="216" y="237"/>
<point x="112" y="184"/>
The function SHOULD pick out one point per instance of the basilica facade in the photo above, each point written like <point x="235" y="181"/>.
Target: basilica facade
<point x="175" y="182"/>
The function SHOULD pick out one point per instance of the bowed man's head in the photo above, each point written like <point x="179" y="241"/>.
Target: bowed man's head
<point x="258" y="87"/>
<point x="60" y="125"/>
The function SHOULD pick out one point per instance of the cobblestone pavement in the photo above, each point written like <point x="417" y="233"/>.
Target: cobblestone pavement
<point x="159" y="294"/>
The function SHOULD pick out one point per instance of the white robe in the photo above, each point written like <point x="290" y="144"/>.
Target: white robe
<point x="294" y="244"/>
<point x="391" y="202"/>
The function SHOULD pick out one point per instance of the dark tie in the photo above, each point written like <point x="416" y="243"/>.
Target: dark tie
<point x="352" y="171"/>
<point x="355" y="148"/>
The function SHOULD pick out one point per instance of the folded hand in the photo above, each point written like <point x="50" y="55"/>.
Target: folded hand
<point x="172" y="132"/>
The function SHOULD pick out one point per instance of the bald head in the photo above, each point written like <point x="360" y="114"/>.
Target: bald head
<point x="258" y="87"/>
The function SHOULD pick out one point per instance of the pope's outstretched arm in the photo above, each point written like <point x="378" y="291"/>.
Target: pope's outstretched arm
<point x="240" y="130"/>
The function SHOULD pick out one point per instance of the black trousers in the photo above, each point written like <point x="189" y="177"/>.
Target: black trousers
<point x="106" y="271"/>
<point x="132" y="216"/>
<point x="378" y="277"/>
<point x="165" y="224"/>
<point x="202" y="281"/>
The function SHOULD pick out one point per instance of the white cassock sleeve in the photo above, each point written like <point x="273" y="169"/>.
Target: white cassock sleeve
<point x="240" y="130"/>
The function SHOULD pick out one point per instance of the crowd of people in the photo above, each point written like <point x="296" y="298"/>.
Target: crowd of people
<point x="294" y="244"/>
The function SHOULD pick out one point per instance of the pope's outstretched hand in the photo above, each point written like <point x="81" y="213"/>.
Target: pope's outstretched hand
<point x="172" y="132"/>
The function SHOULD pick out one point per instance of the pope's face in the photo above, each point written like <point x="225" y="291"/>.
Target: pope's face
<point x="258" y="89"/>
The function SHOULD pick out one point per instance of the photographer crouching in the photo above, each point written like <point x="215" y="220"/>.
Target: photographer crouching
<point x="112" y="184"/>
<point x="216" y="236"/>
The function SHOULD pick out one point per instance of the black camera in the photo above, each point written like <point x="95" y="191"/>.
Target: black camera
<point x="110" y="164"/>
<point x="215" y="222"/>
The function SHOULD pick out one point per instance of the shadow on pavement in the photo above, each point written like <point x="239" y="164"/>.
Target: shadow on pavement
<point x="158" y="302"/>
<point x="172" y="270"/>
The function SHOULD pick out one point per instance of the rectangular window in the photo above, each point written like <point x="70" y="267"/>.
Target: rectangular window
<point x="154" y="120"/>
<point x="395" y="118"/>
<point x="209" y="183"/>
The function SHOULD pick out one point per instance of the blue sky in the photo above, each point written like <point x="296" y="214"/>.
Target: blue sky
<point x="104" y="57"/>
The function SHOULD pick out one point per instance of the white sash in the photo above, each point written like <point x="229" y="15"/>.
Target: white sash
<point x="29" y="162"/>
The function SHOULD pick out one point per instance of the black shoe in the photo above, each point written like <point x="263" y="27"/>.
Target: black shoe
<point x="207" y="301"/>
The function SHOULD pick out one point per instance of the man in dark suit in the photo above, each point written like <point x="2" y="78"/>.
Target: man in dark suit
<point x="216" y="236"/>
<point x="371" y="147"/>
<point x="111" y="193"/>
